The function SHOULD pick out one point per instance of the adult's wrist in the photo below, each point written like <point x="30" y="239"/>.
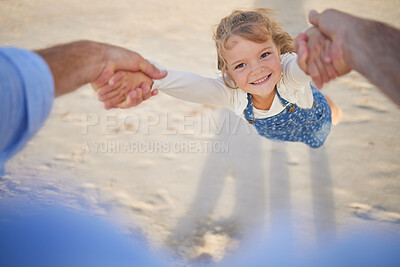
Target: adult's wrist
<point x="355" y="51"/>
<point x="74" y="64"/>
<point x="94" y="57"/>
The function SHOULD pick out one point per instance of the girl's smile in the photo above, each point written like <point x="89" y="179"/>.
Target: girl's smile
<point x="262" y="80"/>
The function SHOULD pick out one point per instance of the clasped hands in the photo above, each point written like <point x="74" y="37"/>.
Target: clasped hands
<point x="125" y="90"/>
<point x="321" y="49"/>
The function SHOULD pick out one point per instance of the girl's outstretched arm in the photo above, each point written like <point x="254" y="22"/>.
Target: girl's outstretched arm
<point x="187" y="86"/>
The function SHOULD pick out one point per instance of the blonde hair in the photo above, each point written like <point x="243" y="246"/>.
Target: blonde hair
<point x="255" y="26"/>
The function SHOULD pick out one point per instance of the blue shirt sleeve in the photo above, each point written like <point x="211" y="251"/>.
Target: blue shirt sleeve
<point x="26" y="97"/>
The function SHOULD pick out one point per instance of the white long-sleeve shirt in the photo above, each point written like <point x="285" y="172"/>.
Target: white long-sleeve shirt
<point x="293" y="86"/>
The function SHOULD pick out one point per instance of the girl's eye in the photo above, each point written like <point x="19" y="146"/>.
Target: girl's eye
<point x="265" y="54"/>
<point x="241" y="65"/>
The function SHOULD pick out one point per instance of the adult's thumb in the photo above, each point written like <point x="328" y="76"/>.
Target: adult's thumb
<point x="313" y="17"/>
<point x="151" y="70"/>
<point x="157" y="74"/>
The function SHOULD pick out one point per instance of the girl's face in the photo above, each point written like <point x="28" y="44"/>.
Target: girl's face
<point x="254" y="67"/>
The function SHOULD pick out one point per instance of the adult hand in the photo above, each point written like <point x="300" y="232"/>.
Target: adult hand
<point x="126" y="89"/>
<point x="119" y="59"/>
<point x="336" y="32"/>
<point x="367" y="46"/>
<point x="137" y="96"/>
<point x="301" y="49"/>
<point x="81" y="62"/>
<point x="311" y="48"/>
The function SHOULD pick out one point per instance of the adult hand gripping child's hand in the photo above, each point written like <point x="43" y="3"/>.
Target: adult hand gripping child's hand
<point x="313" y="48"/>
<point x="126" y="90"/>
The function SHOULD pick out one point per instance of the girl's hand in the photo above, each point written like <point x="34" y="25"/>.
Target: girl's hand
<point x="136" y="85"/>
<point x="138" y="95"/>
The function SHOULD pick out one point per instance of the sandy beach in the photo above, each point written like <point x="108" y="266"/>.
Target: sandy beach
<point x="195" y="180"/>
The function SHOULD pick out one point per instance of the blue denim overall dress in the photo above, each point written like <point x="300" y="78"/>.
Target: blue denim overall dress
<point x="310" y="126"/>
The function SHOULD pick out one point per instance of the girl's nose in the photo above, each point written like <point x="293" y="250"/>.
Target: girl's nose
<point x="256" y="69"/>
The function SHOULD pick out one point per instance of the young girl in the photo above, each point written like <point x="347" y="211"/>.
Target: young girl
<point x="260" y="81"/>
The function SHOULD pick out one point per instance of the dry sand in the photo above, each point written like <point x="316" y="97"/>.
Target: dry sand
<point x="162" y="168"/>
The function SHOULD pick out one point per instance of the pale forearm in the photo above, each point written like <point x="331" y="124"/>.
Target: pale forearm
<point x="74" y="64"/>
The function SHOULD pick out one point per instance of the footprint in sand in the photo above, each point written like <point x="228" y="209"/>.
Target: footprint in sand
<point x="161" y="199"/>
<point x="75" y="156"/>
<point x="44" y="167"/>
<point x="62" y="157"/>
<point x="139" y="206"/>
<point x="207" y="248"/>
<point x="157" y="202"/>
<point x="373" y="107"/>
<point x="215" y="245"/>
<point x="368" y="212"/>
<point x="71" y="117"/>
<point x="23" y="189"/>
<point x="356" y="119"/>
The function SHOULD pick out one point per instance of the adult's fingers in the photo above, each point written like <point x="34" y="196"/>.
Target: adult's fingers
<point x="331" y="71"/>
<point x="133" y="99"/>
<point x="104" y="91"/>
<point x="314" y="67"/>
<point x="117" y="78"/>
<point x="124" y="59"/>
<point x="328" y="61"/>
<point x="330" y="22"/>
<point x="322" y="71"/>
<point x="338" y="61"/>
<point x="128" y="101"/>
<point x="315" y="74"/>
<point x="302" y="51"/>
<point x="313" y="17"/>
<point x="107" y="89"/>
<point x="327" y="52"/>
<point x="111" y="95"/>
<point x="319" y="63"/>
<point x="139" y="94"/>
<point x="146" y="92"/>
<point x="105" y="75"/>
<point x="115" y="100"/>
